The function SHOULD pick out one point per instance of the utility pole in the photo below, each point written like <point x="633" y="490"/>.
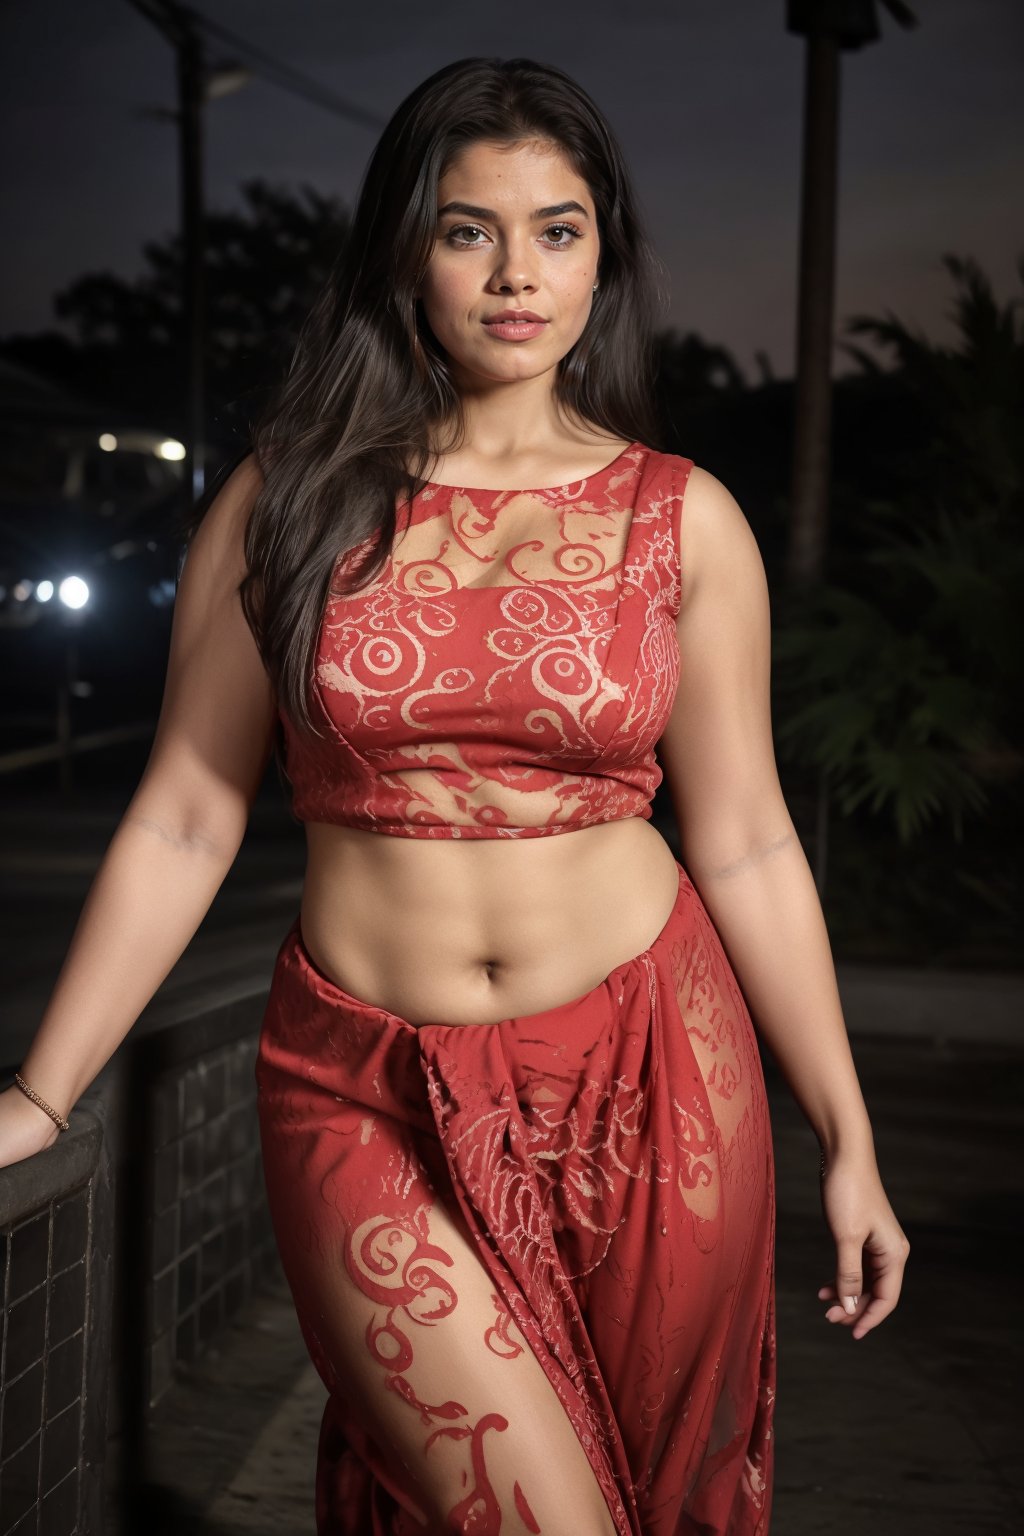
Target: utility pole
<point x="196" y="85"/>
<point x="829" y="26"/>
<point x="193" y="230"/>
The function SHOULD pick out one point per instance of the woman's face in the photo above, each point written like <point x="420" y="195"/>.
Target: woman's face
<point x="516" y="229"/>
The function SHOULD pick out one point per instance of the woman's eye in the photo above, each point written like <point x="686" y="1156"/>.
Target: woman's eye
<point x="569" y="229"/>
<point x="460" y="230"/>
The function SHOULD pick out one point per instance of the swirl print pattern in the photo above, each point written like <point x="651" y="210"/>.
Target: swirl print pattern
<point x="533" y="1261"/>
<point x="511" y="668"/>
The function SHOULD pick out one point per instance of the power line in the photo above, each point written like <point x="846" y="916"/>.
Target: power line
<point x="290" y="79"/>
<point x="169" y="13"/>
<point x="187" y="31"/>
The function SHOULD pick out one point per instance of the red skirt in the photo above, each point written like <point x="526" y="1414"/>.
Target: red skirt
<point x="533" y="1257"/>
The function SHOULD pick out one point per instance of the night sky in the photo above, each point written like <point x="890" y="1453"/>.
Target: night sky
<point x="704" y="95"/>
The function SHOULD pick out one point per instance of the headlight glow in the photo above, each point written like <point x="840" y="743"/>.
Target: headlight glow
<point x="73" y="592"/>
<point x="170" y="449"/>
<point x="44" y="591"/>
<point x="108" y="442"/>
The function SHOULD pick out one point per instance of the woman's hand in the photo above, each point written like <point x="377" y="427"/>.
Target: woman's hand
<point x="24" y="1128"/>
<point x="871" y="1246"/>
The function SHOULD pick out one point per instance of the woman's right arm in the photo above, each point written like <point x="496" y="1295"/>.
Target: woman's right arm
<point x="178" y="837"/>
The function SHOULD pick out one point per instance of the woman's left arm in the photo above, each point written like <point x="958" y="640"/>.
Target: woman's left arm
<point x="741" y="850"/>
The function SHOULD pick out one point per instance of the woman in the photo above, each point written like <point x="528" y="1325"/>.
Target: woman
<point x="514" y="1126"/>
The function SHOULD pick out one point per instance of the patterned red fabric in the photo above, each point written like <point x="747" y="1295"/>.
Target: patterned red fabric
<point x="466" y="695"/>
<point x="537" y="1254"/>
<point x="593" y="1183"/>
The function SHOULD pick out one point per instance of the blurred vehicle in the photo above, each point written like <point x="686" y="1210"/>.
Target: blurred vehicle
<point x="89" y="556"/>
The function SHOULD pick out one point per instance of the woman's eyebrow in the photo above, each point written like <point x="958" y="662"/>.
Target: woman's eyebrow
<point x="472" y="212"/>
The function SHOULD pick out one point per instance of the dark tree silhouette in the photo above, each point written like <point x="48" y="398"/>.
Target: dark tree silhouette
<point x="901" y="676"/>
<point x="264" y="265"/>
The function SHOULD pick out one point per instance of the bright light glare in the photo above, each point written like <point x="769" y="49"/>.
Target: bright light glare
<point x="22" y="590"/>
<point x="170" y="448"/>
<point x="44" y="591"/>
<point x="108" y="442"/>
<point x="73" y="592"/>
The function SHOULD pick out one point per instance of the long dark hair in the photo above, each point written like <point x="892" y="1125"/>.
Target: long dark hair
<point x="369" y="389"/>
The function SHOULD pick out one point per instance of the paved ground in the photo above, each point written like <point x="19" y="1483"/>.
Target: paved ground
<point x="916" y="1425"/>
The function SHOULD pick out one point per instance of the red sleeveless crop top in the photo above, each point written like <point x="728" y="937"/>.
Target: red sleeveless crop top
<point x="510" y="669"/>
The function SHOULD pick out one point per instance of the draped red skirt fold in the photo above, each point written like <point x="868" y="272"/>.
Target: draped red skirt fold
<point x="527" y="1252"/>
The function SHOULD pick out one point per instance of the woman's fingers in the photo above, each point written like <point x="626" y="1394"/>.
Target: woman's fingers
<point x="838" y="1313"/>
<point x="879" y="1298"/>
<point x="849" y="1272"/>
<point x="870" y="1245"/>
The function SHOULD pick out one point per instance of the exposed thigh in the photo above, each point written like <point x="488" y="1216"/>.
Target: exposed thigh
<point x="420" y="1351"/>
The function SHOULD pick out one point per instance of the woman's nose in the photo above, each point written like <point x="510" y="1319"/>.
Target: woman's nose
<point x="515" y="270"/>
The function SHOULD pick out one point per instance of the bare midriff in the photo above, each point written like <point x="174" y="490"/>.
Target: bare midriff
<point x="474" y="931"/>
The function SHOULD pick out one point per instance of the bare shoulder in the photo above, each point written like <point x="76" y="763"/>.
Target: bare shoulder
<point x="718" y="550"/>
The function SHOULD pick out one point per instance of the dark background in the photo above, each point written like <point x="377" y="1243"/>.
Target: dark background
<point x="896" y="672"/>
<point x="704" y="97"/>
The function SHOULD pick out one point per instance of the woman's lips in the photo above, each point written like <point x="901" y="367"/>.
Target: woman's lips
<point x="515" y="330"/>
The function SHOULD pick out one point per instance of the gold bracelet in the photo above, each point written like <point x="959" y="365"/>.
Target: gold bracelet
<point x="54" y="1116"/>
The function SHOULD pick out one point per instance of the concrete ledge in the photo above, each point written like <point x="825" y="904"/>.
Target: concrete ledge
<point x="66" y="1165"/>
